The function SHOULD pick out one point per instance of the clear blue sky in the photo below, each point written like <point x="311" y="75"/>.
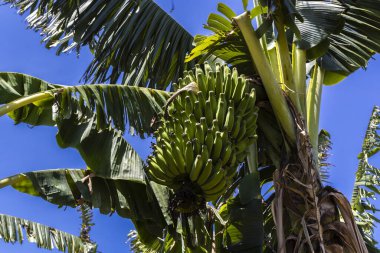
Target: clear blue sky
<point x="345" y="111"/>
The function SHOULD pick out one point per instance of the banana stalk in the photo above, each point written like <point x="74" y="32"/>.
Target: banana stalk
<point x="313" y="105"/>
<point x="271" y="85"/>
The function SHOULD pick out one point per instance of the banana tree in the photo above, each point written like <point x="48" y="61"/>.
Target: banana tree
<point x="286" y="55"/>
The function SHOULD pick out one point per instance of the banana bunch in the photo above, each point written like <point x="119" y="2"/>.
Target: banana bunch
<point x="205" y="134"/>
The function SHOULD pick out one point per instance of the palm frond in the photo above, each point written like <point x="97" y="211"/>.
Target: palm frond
<point x="114" y="104"/>
<point x="71" y="187"/>
<point x="324" y="147"/>
<point x="357" y="41"/>
<point x="139" y="247"/>
<point x="367" y="183"/>
<point x="12" y="230"/>
<point x="226" y="43"/>
<point x="134" y="41"/>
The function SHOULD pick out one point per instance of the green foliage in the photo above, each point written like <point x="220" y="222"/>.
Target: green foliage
<point x="115" y="105"/>
<point x="14" y="86"/>
<point x="137" y="43"/>
<point x="367" y="183"/>
<point x="128" y="40"/>
<point x="324" y="147"/>
<point x="12" y="231"/>
<point x="243" y="231"/>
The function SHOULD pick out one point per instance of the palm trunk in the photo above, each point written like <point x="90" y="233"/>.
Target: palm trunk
<point x="308" y="216"/>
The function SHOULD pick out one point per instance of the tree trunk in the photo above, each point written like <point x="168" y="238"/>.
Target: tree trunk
<point x="308" y="216"/>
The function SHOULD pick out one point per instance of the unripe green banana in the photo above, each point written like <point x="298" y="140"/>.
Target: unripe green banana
<point x="217" y="188"/>
<point x="214" y="103"/>
<point x="209" y="141"/>
<point x="243" y="104"/>
<point x="236" y="127"/>
<point x="159" y="180"/>
<point x="164" y="165"/>
<point x="239" y="90"/>
<point x="226" y="153"/>
<point x="157" y="171"/>
<point x="220" y="113"/>
<point x="206" y="172"/>
<point x="188" y="105"/>
<point x="214" y="181"/>
<point x="215" y="126"/>
<point x="208" y="69"/>
<point x="201" y="80"/>
<point x="210" y="81"/>
<point x="229" y="123"/>
<point x="213" y="197"/>
<point x="199" y="134"/>
<point x="171" y="165"/>
<point x="178" y="158"/>
<point x="228" y="86"/>
<point x="219" y="81"/>
<point x="197" y="146"/>
<point x="197" y="110"/>
<point x="203" y="122"/>
<point x="242" y="131"/>
<point x="196" y="169"/>
<point x="205" y="135"/>
<point x="190" y="131"/>
<point x="204" y="154"/>
<point x="232" y="159"/>
<point x="208" y="113"/>
<point x="217" y="147"/>
<point x="189" y="156"/>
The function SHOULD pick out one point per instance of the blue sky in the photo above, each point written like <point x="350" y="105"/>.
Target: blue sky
<point x="345" y="111"/>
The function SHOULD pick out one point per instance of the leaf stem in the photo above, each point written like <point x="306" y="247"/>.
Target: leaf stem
<point x="23" y="101"/>
<point x="259" y="21"/>
<point x="11" y="180"/>
<point x="253" y="169"/>
<point x="272" y="87"/>
<point x="299" y="73"/>
<point x="313" y="106"/>
<point x="286" y="64"/>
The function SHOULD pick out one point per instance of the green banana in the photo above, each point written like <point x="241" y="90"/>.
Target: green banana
<point x="229" y="123"/>
<point x="205" y="135"/>
<point x="200" y="80"/>
<point x="209" y="141"/>
<point x="157" y="171"/>
<point x="215" y="126"/>
<point x="239" y="90"/>
<point x="190" y="131"/>
<point x="178" y="158"/>
<point x="220" y="113"/>
<point x="206" y="172"/>
<point x="236" y="127"/>
<point x="208" y="113"/>
<point x="228" y="86"/>
<point x="204" y="154"/>
<point x="214" y="181"/>
<point x="242" y="131"/>
<point x="217" y="147"/>
<point x="217" y="188"/>
<point x="188" y="105"/>
<point x="199" y="134"/>
<point x="196" y="169"/>
<point x="197" y="110"/>
<point x="243" y="104"/>
<point x="214" y="104"/>
<point x="226" y="153"/>
<point x="163" y="164"/>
